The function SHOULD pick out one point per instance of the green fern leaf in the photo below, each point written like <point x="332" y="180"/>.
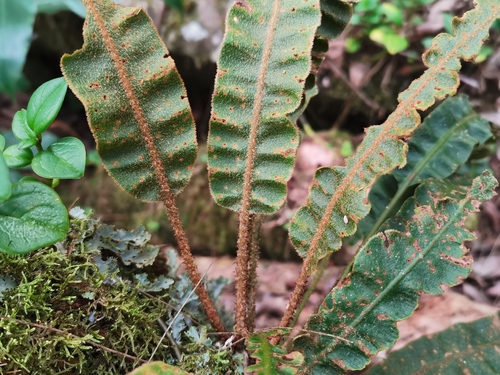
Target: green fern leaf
<point x="335" y="15"/>
<point x="271" y="359"/>
<point x="337" y="199"/>
<point x="443" y="142"/>
<point x="135" y="101"/>
<point x="466" y="348"/>
<point x="264" y="62"/>
<point x="390" y="272"/>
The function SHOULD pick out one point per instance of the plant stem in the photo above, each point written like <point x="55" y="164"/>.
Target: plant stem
<point x="295" y="299"/>
<point x="188" y="259"/>
<point x="317" y="277"/>
<point x="252" y="276"/>
<point x="245" y="235"/>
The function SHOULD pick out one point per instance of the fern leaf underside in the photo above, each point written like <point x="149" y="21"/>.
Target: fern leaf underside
<point x="134" y="99"/>
<point x="264" y="62"/>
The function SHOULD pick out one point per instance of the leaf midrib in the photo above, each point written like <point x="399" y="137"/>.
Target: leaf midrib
<point x="256" y="114"/>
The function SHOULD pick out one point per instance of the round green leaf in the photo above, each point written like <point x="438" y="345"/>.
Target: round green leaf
<point x="33" y="217"/>
<point x="5" y="184"/>
<point x="393" y="13"/>
<point x="45" y="104"/>
<point x="64" y="158"/>
<point x="22" y="130"/>
<point x="157" y="368"/>
<point x="393" y="42"/>
<point x="16" y="157"/>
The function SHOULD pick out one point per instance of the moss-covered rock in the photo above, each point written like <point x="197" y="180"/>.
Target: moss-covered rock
<point x="91" y="305"/>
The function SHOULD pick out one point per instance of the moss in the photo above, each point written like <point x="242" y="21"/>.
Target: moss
<point x="72" y="295"/>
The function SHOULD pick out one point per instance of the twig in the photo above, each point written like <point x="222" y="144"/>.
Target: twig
<point x="170" y="338"/>
<point x="305" y="330"/>
<point x="358" y="92"/>
<point x="178" y="313"/>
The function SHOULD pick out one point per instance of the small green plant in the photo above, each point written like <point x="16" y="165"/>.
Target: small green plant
<point x="390" y="24"/>
<point x="31" y="213"/>
<point x="383" y="22"/>
<point x="139" y="114"/>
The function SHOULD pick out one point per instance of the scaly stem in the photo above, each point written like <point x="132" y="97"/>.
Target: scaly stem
<point x="310" y="290"/>
<point x="252" y="276"/>
<point x="296" y="297"/>
<point x="188" y="259"/>
<point x="245" y="236"/>
<point x="299" y="298"/>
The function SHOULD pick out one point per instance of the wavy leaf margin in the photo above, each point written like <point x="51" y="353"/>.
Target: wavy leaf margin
<point x="390" y="272"/>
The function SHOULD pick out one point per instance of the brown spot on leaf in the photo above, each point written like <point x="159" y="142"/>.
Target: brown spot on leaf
<point x="382" y="317"/>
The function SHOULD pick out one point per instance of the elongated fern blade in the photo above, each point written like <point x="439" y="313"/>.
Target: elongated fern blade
<point x="338" y="196"/>
<point x="135" y="100"/>
<point x="443" y="142"/>
<point x="264" y="62"/>
<point x="465" y="348"/>
<point x="335" y="15"/>
<point x="358" y="318"/>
